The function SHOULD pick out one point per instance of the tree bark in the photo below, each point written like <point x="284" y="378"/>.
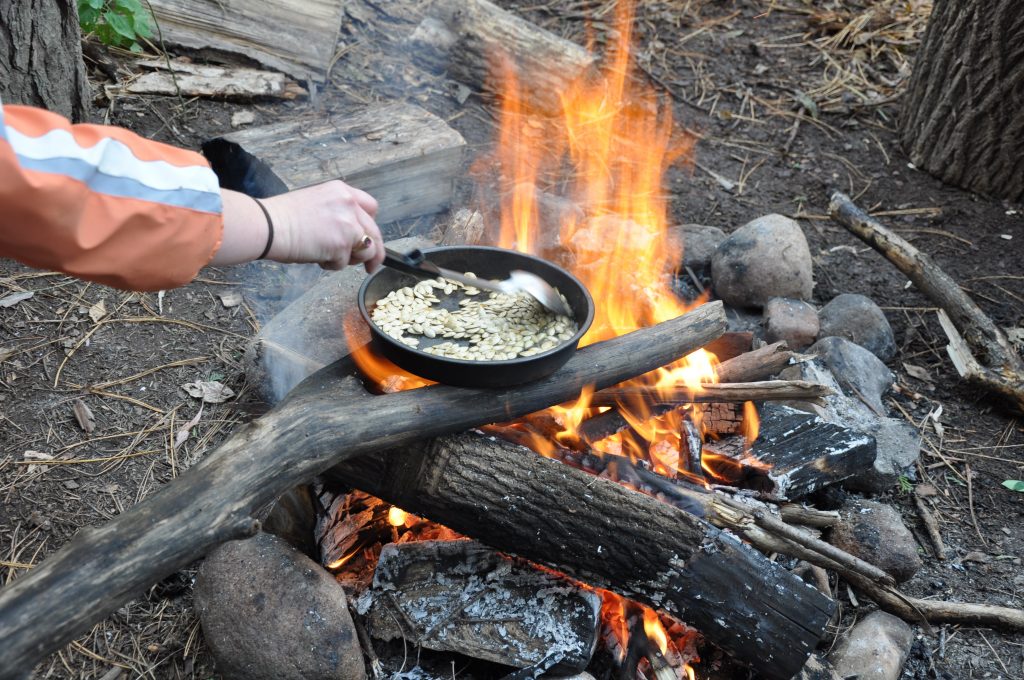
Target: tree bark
<point x="41" y="57"/>
<point x="963" y="116"/>
<point x="324" y="421"/>
<point x="608" y="536"/>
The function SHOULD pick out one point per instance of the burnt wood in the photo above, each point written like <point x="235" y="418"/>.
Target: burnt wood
<point x="606" y="535"/>
<point x="320" y="424"/>
<point x="482" y="604"/>
<point x="802" y="453"/>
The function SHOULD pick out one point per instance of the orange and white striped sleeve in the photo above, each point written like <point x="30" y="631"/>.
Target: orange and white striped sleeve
<point x="102" y="203"/>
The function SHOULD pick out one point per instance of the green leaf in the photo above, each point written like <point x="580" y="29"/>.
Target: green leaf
<point x="91" y="4"/>
<point x="1014" y="485"/>
<point x="87" y="18"/>
<point x="129" y="7"/>
<point x="120" y="23"/>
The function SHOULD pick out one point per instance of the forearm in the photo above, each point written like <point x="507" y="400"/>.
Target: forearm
<point x="245" y="230"/>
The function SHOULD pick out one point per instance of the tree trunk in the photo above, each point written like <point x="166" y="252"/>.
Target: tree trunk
<point x="41" y="56"/>
<point x="963" y="116"/>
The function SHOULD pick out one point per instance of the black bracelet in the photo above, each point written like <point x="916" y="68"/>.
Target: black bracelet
<point x="270" y="229"/>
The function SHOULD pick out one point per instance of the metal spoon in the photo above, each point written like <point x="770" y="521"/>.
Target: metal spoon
<point x="519" y="281"/>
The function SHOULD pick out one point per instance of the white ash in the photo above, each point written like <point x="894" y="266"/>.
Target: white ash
<point x="448" y="319"/>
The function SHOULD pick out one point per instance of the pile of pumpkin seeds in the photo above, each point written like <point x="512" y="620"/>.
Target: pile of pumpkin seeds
<point x="478" y="327"/>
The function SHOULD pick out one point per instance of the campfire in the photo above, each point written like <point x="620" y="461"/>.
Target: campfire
<point x="608" y="151"/>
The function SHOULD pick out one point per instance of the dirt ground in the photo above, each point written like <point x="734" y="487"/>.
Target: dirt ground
<point x="788" y="97"/>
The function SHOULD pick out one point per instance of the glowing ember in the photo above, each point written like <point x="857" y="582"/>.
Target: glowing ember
<point x="396" y="516"/>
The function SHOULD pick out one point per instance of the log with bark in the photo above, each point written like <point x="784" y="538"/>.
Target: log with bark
<point x="470" y="37"/>
<point x="608" y="536"/>
<point x="405" y="156"/>
<point x="765" y="390"/>
<point x="216" y="500"/>
<point x="298" y="37"/>
<point x="980" y="351"/>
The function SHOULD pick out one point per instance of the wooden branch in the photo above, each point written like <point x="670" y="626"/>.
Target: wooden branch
<point x="758" y="364"/>
<point x="608" y="536"/>
<point x="311" y="430"/>
<point x="405" y="156"/>
<point x="754" y="365"/>
<point x="297" y="37"/>
<point x="998" y="367"/>
<point x="767" y="390"/>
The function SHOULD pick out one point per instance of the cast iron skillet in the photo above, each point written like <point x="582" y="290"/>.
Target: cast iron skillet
<point x="491" y="263"/>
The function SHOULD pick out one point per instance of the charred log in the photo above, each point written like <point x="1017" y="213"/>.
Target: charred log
<point x="608" y="536"/>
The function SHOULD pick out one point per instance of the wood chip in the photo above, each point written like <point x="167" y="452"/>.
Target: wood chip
<point x="15" y="298"/>
<point x="37" y="455"/>
<point x="98" y="311"/>
<point x="84" y="416"/>
<point x="230" y="299"/>
<point x="241" y="118"/>
<point x="210" y="391"/>
<point x="917" y="372"/>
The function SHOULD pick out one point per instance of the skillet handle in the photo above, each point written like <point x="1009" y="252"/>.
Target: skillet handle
<point x="412" y="262"/>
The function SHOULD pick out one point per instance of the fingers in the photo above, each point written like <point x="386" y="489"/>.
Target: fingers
<point x="365" y="201"/>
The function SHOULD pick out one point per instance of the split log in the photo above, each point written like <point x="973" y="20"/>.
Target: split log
<point x="482" y="604"/>
<point x="295" y="36"/>
<point x="608" y="536"/>
<point x="469" y="37"/>
<point x="980" y="351"/>
<point x="198" y="80"/>
<point x="305" y="434"/>
<point x="406" y="157"/>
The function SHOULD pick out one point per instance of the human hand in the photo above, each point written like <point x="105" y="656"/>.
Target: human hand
<point x="327" y="223"/>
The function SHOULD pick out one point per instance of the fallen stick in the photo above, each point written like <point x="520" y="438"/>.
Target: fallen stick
<point x="311" y="430"/>
<point x="767" y="390"/>
<point x="979" y="349"/>
<point x="757" y="364"/>
<point x="932" y="526"/>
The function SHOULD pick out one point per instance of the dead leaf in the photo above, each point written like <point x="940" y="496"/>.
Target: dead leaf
<point x="183" y="433"/>
<point x="7" y="352"/>
<point x="240" y="118"/>
<point x="15" y="298"/>
<point x="37" y="455"/>
<point x="83" y="414"/>
<point x="975" y="556"/>
<point x="230" y="299"/>
<point x="210" y="391"/>
<point x="917" y="372"/>
<point x="98" y="311"/>
<point x="110" y="488"/>
<point x="926" y="490"/>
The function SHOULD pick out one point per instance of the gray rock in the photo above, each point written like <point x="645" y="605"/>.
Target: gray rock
<point x="875" y="533"/>
<point x="899" y="445"/>
<point x="858" y="319"/>
<point x="817" y="668"/>
<point x="875" y="649"/>
<point x="794" y="321"/>
<point x="765" y="258"/>
<point x="699" y="244"/>
<point x="861" y="374"/>
<point x="270" y="613"/>
<point x="898" y="442"/>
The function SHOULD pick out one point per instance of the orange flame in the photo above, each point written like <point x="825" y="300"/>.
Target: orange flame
<point x="751" y="425"/>
<point x="655" y="631"/>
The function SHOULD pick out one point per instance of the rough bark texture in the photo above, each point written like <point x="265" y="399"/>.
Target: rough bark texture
<point x="963" y="116"/>
<point x="324" y="421"/>
<point x="608" y="536"/>
<point x="41" y="56"/>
